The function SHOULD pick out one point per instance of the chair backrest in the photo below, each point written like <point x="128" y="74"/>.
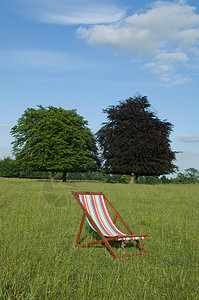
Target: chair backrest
<point x="96" y="207"/>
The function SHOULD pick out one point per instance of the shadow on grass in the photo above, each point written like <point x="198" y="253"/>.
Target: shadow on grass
<point x="116" y="245"/>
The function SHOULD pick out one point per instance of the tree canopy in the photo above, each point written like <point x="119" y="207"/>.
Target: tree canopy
<point x="134" y="140"/>
<point x="54" y="139"/>
<point x="191" y="175"/>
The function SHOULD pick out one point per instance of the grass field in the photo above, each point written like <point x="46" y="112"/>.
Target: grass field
<point x="39" y="222"/>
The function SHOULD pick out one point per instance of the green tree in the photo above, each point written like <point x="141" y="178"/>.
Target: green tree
<point x="134" y="141"/>
<point x="192" y="175"/>
<point x="181" y="178"/>
<point x="164" y="179"/>
<point x="8" y="168"/>
<point x="54" y="139"/>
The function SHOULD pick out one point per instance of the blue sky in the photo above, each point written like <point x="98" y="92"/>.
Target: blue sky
<point x="93" y="53"/>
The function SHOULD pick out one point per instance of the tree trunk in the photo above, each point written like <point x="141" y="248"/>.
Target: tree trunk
<point x="52" y="176"/>
<point x="131" y="178"/>
<point x="136" y="177"/>
<point x="64" y="176"/>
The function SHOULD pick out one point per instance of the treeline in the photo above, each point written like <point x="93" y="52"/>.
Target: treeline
<point x="10" y="169"/>
<point x="133" y="141"/>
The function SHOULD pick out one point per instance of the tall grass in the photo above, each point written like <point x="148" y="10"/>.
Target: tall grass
<point x="39" y="222"/>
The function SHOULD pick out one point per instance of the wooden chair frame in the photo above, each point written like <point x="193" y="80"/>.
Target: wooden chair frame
<point x="106" y="240"/>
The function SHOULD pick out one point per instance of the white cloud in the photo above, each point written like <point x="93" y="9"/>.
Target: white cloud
<point x="35" y="59"/>
<point x="69" y="12"/>
<point x="4" y="125"/>
<point x="192" y="138"/>
<point x="89" y="17"/>
<point x="165" y="66"/>
<point x="166" y="35"/>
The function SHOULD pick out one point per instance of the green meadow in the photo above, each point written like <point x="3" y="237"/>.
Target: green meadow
<point x="39" y="221"/>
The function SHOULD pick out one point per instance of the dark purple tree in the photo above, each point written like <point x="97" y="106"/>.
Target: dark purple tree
<point x="135" y="141"/>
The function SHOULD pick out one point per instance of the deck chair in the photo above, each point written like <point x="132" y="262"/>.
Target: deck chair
<point x="95" y="211"/>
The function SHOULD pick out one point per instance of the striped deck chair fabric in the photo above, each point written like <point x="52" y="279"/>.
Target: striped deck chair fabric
<point x="96" y="207"/>
<point x="95" y="211"/>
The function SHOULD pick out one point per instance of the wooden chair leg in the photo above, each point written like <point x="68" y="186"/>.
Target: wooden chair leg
<point x="110" y="248"/>
<point x="142" y="248"/>
<point x="80" y="229"/>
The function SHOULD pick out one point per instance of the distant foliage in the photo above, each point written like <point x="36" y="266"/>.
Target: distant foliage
<point x="135" y="141"/>
<point x="191" y="175"/>
<point x="9" y="168"/>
